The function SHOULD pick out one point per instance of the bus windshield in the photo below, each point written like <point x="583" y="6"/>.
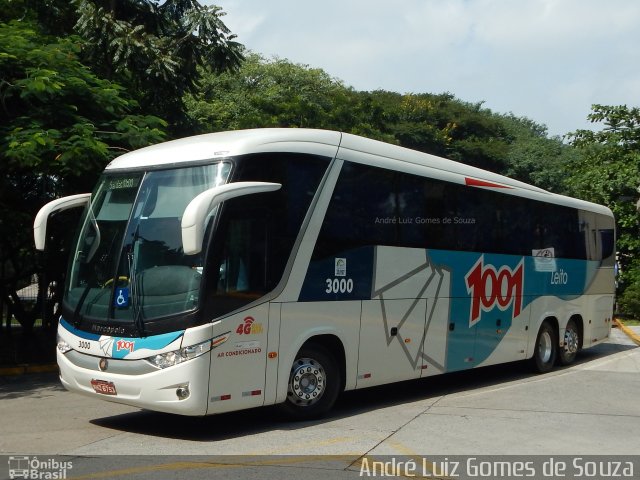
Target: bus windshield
<point x="129" y="264"/>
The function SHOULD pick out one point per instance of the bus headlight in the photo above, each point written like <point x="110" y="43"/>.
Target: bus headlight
<point x="63" y="346"/>
<point x="169" y="359"/>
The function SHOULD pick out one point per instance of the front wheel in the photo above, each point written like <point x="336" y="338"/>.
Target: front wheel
<point x="571" y="344"/>
<point x="314" y="383"/>
<point x="546" y="349"/>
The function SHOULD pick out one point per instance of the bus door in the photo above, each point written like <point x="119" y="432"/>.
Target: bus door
<point x="237" y="378"/>
<point x="239" y="276"/>
<point x="496" y="337"/>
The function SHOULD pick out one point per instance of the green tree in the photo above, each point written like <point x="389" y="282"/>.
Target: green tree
<point x="629" y="300"/>
<point x="270" y="93"/>
<point x="67" y="100"/>
<point x="156" y="49"/>
<point x="535" y="158"/>
<point x="278" y="93"/>
<point x="609" y="173"/>
<point x="59" y="126"/>
<point x="410" y="120"/>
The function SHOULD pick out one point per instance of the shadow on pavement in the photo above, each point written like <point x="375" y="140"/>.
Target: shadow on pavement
<point x="29" y="385"/>
<point x="247" y="422"/>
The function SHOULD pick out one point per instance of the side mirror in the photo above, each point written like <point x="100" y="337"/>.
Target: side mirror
<point x="65" y="203"/>
<point x="195" y="215"/>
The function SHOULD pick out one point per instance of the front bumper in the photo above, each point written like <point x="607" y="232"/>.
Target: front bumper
<point x="155" y="389"/>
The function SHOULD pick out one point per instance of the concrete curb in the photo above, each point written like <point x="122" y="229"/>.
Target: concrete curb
<point x="24" y="369"/>
<point x="630" y="333"/>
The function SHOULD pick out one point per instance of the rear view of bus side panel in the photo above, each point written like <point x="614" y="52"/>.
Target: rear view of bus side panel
<point x="601" y="290"/>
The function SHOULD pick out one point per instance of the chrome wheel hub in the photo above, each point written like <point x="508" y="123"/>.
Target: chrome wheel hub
<point x="571" y="341"/>
<point x="545" y="348"/>
<point x="307" y="382"/>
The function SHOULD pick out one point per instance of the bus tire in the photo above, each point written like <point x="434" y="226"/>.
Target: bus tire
<point x="546" y="348"/>
<point x="314" y="383"/>
<point x="571" y="344"/>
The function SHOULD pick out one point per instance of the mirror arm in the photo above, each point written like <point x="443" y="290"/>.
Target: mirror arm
<point x="196" y="213"/>
<point x="58" y="205"/>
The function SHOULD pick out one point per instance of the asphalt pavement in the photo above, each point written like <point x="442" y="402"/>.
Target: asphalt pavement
<point x="590" y="408"/>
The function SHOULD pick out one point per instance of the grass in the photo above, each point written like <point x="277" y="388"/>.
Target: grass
<point x="630" y="322"/>
<point x="16" y="324"/>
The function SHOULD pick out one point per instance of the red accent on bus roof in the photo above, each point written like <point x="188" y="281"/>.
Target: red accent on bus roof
<point x="473" y="182"/>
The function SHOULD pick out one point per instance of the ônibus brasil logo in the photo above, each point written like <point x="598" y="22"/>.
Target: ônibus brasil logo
<point x="490" y="288"/>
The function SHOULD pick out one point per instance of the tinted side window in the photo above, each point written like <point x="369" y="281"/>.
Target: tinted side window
<point x="487" y="221"/>
<point x="255" y="234"/>
<point x="558" y="227"/>
<point x="375" y="206"/>
<point x="475" y="219"/>
<point x="362" y="211"/>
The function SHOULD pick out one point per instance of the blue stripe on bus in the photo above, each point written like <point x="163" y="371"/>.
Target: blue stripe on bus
<point x="79" y="333"/>
<point x="562" y="278"/>
<point x="122" y="346"/>
<point x="471" y="340"/>
<point x="358" y="268"/>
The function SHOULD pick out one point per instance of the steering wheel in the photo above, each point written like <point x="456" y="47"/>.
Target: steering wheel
<point x="121" y="278"/>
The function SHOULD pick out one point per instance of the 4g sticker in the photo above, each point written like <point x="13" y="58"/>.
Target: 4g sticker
<point x="249" y="327"/>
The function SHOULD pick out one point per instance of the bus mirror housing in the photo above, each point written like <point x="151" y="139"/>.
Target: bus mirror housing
<point x="196" y="213"/>
<point x="65" y="203"/>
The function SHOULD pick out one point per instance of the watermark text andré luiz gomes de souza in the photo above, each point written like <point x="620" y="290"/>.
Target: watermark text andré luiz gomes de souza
<point x="477" y="467"/>
<point x="425" y="221"/>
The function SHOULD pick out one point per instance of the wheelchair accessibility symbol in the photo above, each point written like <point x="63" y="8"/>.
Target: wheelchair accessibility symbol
<point x="122" y="297"/>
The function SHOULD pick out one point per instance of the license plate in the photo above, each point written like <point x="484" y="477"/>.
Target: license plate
<point x="104" y="387"/>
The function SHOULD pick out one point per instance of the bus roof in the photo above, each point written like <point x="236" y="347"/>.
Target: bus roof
<point x="229" y="144"/>
<point x="328" y="143"/>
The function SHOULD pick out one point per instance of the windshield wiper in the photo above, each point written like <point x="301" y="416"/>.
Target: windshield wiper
<point x="77" y="318"/>
<point x="138" y="321"/>
<point x="96" y="241"/>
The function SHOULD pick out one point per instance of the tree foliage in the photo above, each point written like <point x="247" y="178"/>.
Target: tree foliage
<point x="535" y="158"/>
<point x="609" y="173"/>
<point x="59" y="126"/>
<point x="155" y="49"/>
<point x="279" y="93"/>
<point x="269" y="94"/>
<point x="57" y="116"/>
<point x="81" y="82"/>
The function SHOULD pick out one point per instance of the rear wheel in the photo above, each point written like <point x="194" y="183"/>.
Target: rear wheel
<point x="571" y="344"/>
<point x="546" y="349"/>
<point x="314" y="383"/>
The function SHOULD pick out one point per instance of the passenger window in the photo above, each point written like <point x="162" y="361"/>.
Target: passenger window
<point x="242" y="267"/>
<point x="364" y="210"/>
<point x="375" y="206"/>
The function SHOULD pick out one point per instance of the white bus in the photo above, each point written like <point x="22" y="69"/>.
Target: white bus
<point x="283" y="266"/>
